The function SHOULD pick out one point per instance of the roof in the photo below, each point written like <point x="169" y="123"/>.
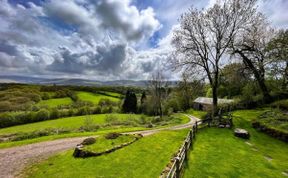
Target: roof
<point x="204" y="100"/>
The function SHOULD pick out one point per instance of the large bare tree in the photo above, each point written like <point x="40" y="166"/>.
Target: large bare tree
<point x="205" y="35"/>
<point x="251" y="46"/>
<point x="158" y="86"/>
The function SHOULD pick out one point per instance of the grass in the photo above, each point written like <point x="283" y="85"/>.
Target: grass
<point x="95" y="98"/>
<point x="76" y="123"/>
<point x="136" y="160"/>
<point x="196" y="113"/>
<point x="53" y="103"/>
<point x="67" y="123"/>
<point x="69" y="135"/>
<point x="217" y="153"/>
<point x="103" y="144"/>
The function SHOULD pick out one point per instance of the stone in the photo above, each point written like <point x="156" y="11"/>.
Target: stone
<point x="89" y="141"/>
<point x="112" y="135"/>
<point x="221" y="126"/>
<point x="228" y="126"/>
<point x="242" y="133"/>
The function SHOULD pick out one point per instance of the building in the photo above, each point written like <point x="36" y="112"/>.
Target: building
<point x="205" y="104"/>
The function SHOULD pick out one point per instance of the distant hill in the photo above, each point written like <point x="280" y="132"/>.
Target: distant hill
<point x="73" y="81"/>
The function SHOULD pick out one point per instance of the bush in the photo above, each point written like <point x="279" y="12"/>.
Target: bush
<point x="282" y="104"/>
<point x="89" y="125"/>
<point x="42" y="115"/>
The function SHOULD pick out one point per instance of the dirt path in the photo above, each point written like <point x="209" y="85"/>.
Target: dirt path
<point x="13" y="160"/>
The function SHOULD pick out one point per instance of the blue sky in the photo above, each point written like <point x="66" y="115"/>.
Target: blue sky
<point x="97" y="39"/>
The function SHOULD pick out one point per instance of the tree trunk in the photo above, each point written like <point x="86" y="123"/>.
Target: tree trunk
<point x="215" y="101"/>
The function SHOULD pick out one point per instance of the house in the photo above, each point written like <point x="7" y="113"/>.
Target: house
<point x="205" y="104"/>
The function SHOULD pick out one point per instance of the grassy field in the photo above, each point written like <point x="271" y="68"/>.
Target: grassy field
<point x="95" y="98"/>
<point x="76" y="123"/>
<point x="136" y="160"/>
<point x="69" y="135"/>
<point x="53" y="103"/>
<point x="217" y="153"/>
<point x="67" y="123"/>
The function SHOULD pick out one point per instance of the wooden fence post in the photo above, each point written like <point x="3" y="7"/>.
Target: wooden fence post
<point x="177" y="163"/>
<point x="191" y="135"/>
<point x="196" y="126"/>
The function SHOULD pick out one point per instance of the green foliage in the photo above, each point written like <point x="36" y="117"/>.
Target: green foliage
<point x="89" y="125"/>
<point x="281" y="104"/>
<point x="130" y="103"/>
<point x="42" y="115"/>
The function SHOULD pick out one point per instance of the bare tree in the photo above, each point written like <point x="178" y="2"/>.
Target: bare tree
<point x="158" y="87"/>
<point x="204" y="37"/>
<point x="250" y="45"/>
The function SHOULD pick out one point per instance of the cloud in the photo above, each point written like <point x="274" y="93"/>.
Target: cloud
<point x="276" y="11"/>
<point x="95" y="48"/>
<point x="127" y="19"/>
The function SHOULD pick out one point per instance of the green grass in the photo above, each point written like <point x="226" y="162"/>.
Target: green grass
<point x="196" y="113"/>
<point x="70" y="135"/>
<point x="95" y="98"/>
<point x="103" y="144"/>
<point x="67" y="123"/>
<point x="144" y="158"/>
<point x="217" y="153"/>
<point x="53" y="103"/>
<point x="75" y="123"/>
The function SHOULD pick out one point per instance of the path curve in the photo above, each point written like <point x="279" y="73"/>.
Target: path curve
<point x="13" y="160"/>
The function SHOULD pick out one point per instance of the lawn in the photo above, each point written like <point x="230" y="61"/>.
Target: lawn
<point x="217" y="153"/>
<point x="76" y="122"/>
<point x="53" y="103"/>
<point x="67" y="123"/>
<point x="144" y="158"/>
<point x="95" y="98"/>
<point x="196" y="113"/>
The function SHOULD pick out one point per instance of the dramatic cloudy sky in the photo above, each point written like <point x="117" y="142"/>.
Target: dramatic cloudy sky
<point x="96" y="39"/>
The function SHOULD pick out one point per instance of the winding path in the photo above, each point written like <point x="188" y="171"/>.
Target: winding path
<point x="13" y="160"/>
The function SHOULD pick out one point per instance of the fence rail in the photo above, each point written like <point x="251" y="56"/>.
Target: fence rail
<point x="175" y="167"/>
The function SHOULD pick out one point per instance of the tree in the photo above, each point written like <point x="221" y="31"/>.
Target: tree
<point x="204" y="37"/>
<point x="250" y="47"/>
<point x="158" y="87"/>
<point x="233" y="78"/>
<point x="278" y="54"/>
<point x="130" y="102"/>
<point x="188" y="89"/>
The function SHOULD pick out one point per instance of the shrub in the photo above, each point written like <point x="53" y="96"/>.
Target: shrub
<point x="42" y="115"/>
<point x="89" y="125"/>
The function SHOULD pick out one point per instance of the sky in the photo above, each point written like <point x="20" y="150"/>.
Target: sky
<point x="98" y="39"/>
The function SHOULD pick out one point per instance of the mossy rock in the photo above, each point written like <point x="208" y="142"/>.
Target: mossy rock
<point x="89" y="141"/>
<point x="112" y="135"/>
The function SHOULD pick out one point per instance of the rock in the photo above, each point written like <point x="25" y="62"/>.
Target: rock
<point x="242" y="133"/>
<point x="89" y="141"/>
<point x="221" y="126"/>
<point x="112" y="135"/>
<point x="228" y="126"/>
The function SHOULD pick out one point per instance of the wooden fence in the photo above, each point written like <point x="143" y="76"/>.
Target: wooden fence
<point x="175" y="167"/>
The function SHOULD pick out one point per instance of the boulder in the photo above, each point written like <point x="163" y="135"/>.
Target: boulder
<point x="112" y="135"/>
<point x="242" y="133"/>
<point x="89" y="141"/>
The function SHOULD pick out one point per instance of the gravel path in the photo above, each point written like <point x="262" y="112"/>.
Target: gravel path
<point x="13" y="160"/>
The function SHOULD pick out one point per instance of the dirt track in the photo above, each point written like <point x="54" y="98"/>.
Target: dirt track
<point x="13" y="160"/>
